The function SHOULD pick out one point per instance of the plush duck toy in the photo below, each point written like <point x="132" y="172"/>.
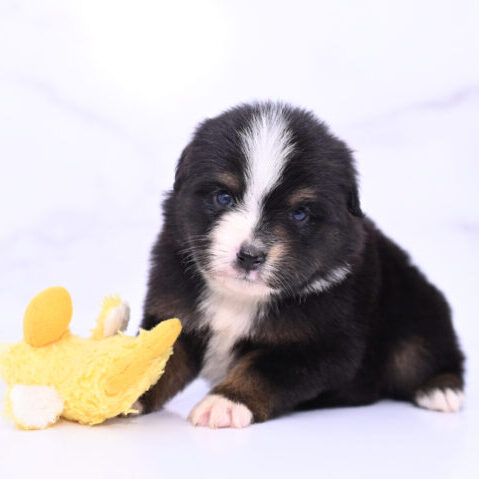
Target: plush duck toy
<point x="52" y="373"/>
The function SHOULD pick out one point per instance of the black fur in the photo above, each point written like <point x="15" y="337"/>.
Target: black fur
<point x="384" y="331"/>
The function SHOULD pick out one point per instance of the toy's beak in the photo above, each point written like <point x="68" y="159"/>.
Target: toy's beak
<point x="151" y="347"/>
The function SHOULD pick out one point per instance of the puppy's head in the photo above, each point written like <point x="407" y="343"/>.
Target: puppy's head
<point x="265" y="201"/>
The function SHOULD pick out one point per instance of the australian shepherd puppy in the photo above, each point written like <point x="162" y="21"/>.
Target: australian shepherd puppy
<point x="289" y="296"/>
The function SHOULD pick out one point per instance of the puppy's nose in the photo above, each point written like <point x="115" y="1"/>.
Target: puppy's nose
<point x="250" y="257"/>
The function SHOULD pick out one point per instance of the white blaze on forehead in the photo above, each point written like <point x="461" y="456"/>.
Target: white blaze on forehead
<point x="266" y="144"/>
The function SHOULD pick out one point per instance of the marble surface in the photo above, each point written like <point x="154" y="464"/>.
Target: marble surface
<point x="97" y="100"/>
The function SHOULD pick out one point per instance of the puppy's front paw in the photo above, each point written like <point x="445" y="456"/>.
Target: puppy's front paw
<point x="217" y="411"/>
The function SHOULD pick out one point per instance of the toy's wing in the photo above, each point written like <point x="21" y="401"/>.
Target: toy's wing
<point x="34" y="407"/>
<point x="124" y="368"/>
<point x="113" y="317"/>
<point x="153" y="349"/>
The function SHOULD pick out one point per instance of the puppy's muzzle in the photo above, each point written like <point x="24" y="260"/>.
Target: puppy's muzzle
<point x="250" y="257"/>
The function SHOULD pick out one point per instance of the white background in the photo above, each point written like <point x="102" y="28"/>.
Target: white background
<point x="97" y="100"/>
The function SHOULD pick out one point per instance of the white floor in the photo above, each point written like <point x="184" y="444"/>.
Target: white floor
<point x="97" y="100"/>
<point x="388" y="439"/>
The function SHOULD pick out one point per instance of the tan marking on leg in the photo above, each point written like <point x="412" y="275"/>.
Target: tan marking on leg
<point x="244" y="385"/>
<point x="407" y="363"/>
<point x="443" y="381"/>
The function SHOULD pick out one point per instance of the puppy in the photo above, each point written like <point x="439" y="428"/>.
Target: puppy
<point x="290" y="297"/>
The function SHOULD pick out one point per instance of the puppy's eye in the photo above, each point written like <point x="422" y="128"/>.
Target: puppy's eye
<point x="299" y="215"/>
<point x="223" y="198"/>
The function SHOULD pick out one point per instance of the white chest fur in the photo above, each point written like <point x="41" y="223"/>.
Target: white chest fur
<point x="230" y="318"/>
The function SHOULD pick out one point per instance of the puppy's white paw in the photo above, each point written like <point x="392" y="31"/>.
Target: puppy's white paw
<point x="217" y="411"/>
<point x="443" y="400"/>
<point x="117" y="320"/>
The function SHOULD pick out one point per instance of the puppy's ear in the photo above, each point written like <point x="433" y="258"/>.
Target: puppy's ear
<point x="182" y="168"/>
<point x="354" y="205"/>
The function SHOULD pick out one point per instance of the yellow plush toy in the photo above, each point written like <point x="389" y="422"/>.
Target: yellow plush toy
<point x="53" y="373"/>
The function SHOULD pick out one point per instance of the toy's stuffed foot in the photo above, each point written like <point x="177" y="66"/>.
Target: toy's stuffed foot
<point x="35" y="407"/>
<point x="117" y="319"/>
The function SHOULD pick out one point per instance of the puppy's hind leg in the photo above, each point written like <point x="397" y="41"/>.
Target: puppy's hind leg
<point x="415" y="373"/>
<point x="443" y="393"/>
